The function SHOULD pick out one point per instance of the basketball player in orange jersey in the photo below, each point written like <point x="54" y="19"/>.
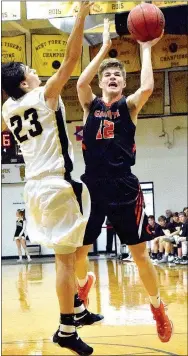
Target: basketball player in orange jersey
<point x="58" y="207"/>
<point x="109" y="152"/>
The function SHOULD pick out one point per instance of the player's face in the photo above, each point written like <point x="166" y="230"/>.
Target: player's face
<point x="31" y="78"/>
<point x="112" y="81"/>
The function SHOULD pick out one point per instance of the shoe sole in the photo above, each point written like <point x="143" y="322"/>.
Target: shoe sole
<point x="62" y="347"/>
<point x="172" y="325"/>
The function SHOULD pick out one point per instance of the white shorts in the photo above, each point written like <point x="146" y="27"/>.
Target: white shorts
<point x="19" y="238"/>
<point x="54" y="217"/>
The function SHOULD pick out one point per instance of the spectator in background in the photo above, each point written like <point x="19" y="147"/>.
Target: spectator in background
<point x="168" y="215"/>
<point x="185" y="210"/>
<point x="165" y="239"/>
<point x="183" y="238"/>
<point x="19" y="235"/>
<point x="154" y="228"/>
<point x="110" y="232"/>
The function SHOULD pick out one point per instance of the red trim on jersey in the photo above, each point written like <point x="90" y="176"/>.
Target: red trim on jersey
<point x="117" y="98"/>
<point x="139" y="206"/>
<point x="84" y="146"/>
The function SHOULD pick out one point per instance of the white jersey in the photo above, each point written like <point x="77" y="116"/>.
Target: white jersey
<point x="41" y="134"/>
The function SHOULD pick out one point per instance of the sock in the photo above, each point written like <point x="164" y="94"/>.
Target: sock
<point x="79" y="309"/>
<point x="160" y="254"/>
<point x="67" y="326"/>
<point x="82" y="282"/>
<point x="155" y="300"/>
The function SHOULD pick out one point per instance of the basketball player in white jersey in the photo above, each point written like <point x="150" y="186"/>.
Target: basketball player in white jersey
<point x="58" y="207"/>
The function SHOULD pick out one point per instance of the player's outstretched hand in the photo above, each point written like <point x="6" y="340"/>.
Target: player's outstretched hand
<point x="85" y="7"/>
<point x="106" y="33"/>
<point x="153" y="42"/>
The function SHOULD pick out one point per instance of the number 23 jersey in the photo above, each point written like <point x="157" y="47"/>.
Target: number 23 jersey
<point x="108" y="138"/>
<point x="40" y="132"/>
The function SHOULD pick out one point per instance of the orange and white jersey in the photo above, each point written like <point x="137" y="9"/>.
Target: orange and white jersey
<point x="41" y="134"/>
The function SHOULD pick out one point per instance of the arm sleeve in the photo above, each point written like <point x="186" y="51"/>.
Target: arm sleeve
<point x="23" y="229"/>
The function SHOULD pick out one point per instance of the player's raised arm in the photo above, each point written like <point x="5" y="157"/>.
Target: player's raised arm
<point x="73" y="52"/>
<point x="85" y="94"/>
<point x="137" y="100"/>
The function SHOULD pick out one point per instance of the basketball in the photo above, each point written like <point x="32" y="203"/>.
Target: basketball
<point x="145" y="22"/>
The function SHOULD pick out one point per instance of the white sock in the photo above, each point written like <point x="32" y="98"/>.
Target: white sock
<point x="82" y="282"/>
<point x="155" y="300"/>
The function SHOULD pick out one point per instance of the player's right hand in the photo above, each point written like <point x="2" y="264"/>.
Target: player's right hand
<point x="106" y="33"/>
<point x="85" y="7"/>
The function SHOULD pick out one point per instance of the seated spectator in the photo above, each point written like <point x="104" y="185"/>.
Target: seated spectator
<point x="153" y="227"/>
<point x="168" y="215"/>
<point x="185" y="210"/>
<point x="183" y="239"/>
<point x="165" y="234"/>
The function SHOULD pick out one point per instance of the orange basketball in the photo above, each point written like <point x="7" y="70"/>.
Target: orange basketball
<point x="145" y="22"/>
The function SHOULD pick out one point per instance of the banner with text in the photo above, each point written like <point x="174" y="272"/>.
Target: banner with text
<point x="178" y="86"/>
<point x="170" y="51"/>
<point x="155" y="104"/>
<point x="48" y="52"/>
<point x="13" y="49"/>
<point x="111" y="7"/>
<point x="168" y="3"/>
<point x="51" y="9"/>
<point x="124" y="49"/>
<point x="12" y="173"/>
<point x="10" y="10"/>
<point x="70" y="98"/>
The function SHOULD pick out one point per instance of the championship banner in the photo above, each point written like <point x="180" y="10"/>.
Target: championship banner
<point x="178" y="86"/>
<point x="155" y="104"/>
<point x="51" y="9"/>
<point x="13" y="49"/>
<point x="12" y="173"/>
<point x="168" y="3"/>
<point x="73" y="108"/>
<point x="10" y="10"/>
<point x="170" y="51"/>
<point x="48" y="52"/>
<point x="125" y="49"/>
<point x="111" y="7"/>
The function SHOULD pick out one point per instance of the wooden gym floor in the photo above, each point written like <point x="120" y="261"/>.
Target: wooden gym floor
<point x="30" y="310"/>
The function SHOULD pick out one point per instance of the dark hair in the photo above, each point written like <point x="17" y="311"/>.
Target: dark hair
<point x="151" y="217"/>
<point x="175" y="214"/>
<point x="185" y="209"/>
<point x="162" y="217"/>
<point x="182" y="213"/>
<point x="12" y="74"/>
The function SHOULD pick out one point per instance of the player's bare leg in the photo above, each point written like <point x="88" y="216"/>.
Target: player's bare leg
<point x="149" y="278"/>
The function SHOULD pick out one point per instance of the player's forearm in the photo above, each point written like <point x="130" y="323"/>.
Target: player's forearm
<point x="74" y="43"/>
<point x="91" y="70"/>
<point x="147" y="80"/>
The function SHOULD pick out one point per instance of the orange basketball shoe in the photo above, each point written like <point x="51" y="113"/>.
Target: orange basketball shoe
<point x="163" y="323"/>
<point x="84" y="291"/>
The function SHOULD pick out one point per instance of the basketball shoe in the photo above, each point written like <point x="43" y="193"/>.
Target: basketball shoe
<point x="163" y="323"/>
<point x="84" y="291"/>
<point x="86" y="319"/>
<point x="73" y="343"/>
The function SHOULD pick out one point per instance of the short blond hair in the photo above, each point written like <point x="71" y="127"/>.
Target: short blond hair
<point x="109" y="63"/>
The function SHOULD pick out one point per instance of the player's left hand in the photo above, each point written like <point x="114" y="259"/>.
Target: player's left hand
<point x="153" y="42"/>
